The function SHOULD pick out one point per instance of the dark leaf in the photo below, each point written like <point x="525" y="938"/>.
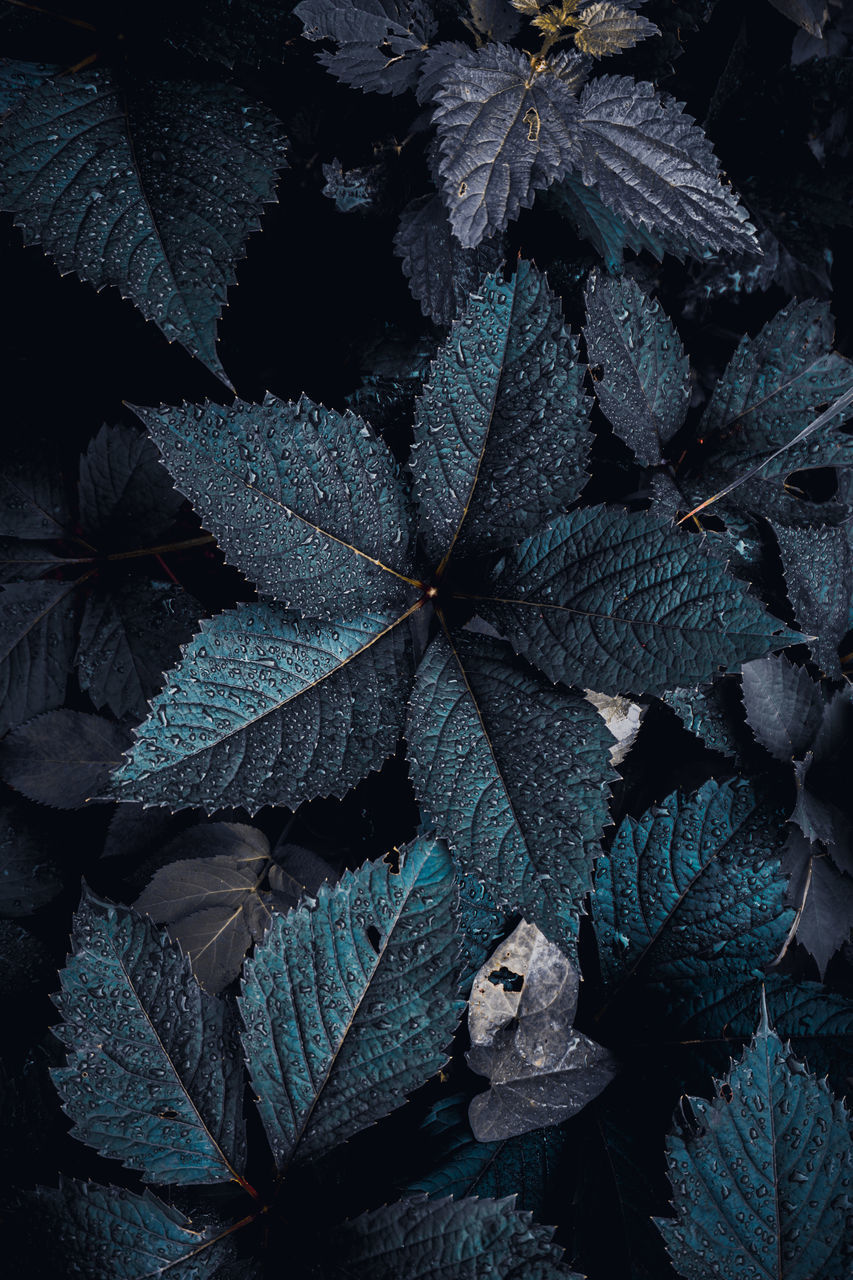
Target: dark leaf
<point x="62" y="758"/>
<point x="709" y="713"/>
<point x="606" y="28"/>
<point x="297" y="872"/>
<point x="381" y="42"/>
<point x="28" y="878"/>
<point x="135" y="831"/>
<point x="126" y="497"/>
<point x="18" y="78"/>
<point x="33" y="502"/>
<point x="36" y="648"/>
<point x="231" y="32"/>
<point x="437" y="61"/>
<point x="818" y="564"/>
<point x="595" y="221"/>
<point x="823" y="897"/>
<point x="784" y="707"/>
<point x="808" y="14"/>
<point x="25" y="963"/>
<point x="494" y="18"/>
<point x="440" y="272"/>
<point x="25" y="561"/>
<point x="353" y="189"/>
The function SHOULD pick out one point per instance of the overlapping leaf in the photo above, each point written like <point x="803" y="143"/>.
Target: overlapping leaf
<point x="818" y="565"/>
<point x="440" y="272"/>
<point x="595" y="221"/>
<point x="381" y="43"/>
<point x="784" y="708"/>
<point x="36" y="647"/>
<point x="63" y="758"/>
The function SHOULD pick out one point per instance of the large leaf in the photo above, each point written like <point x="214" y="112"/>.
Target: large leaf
<point x="303" y="500"/>
<point x="626" y="603"/>
<point x="154" y="1076"/>
<point x="514" y="773"/>
<point x="381" y="42"/>
<point x="36" y="647"/>
<point x="440" y="272"/>
<point x="267" y="709"/>
<point x="818" y="564"/>
<point x="506" y="131"/>
<point x="651" y="163"/>
<point x="501" y="435"/>
<point x="349" y="1003"/>
<point x="151" y="187"/>
<point x="761" y="1174"/>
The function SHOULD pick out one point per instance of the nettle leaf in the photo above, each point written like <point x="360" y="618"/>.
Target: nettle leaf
<point x="626" y="603"/>
<point x="33" y="502"/>
<point x="823" y="895"/>
<point x="212" y="906"/>
<point x="62" y="758"/>
<point x="266" y="708"/>
<point x="760" y="1174"/>
<point x="651" y="163"/>
<point x="506" y="131"/>
<point x="381" y="42"/>
<point x="606" y="28"/>
<point x="440" y="272"/>
<point x="125" y="497"/>
<point x="693" y="887"/>
<point x="466" y="1239"/>
<point x="501" y="432"/>
<point x="609" y="234"/>
<point x="152" y="187"/>
<point x="154" y="1076"/>
<point x="328" y="1060"/>
<point x="37" y="623"/>
<point x="514" y="772"/>
<point x="784" y="707"/>
<point x="493" y="18"/>
<point x="644" y="384"/>
<point x="818" y="565"/>
<point x="294" y="493"/>
<point x="28" y="877"/>
<point x="711" y="713"/>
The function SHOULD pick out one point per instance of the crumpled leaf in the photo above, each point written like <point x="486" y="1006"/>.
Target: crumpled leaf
<point x="761" y="1174"/>
<point x="818" y="565"/>
<point x="784" y="707"/>
<point x="606" y="28"/>
<point x="29" y="877"/>
<point x="62" y="758"/>
<point x="381" y="42"/>
<point x="440" y="272"/>
<point x="520" y="1016"/>
<point x="118" y="189"/>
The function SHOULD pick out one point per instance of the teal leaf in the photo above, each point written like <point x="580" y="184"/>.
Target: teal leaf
<point x="710" y="713"/>
<point x="18" y="78"/>
<point x="626" y="603"/>
<point x="693" y="887"/>
<point x="514" y="772"/>
<point x="644" y="384"/>
<point x="502" y="429"/>
<point x="761" y="1173"/>
<point x="609" y="234"/>
<point x="818" y="565"/>
<point x="441" y="274"/>
<point x="125" y="497"/>
<point x="153" y="1075"/>
<point x="265" y="708"/>
<point x="349" y="1003"/>
<point x="306" y="502"/>
<point x="152" y="188"/>
<point x="36" y="648"/>
<point x="784" y="706"/>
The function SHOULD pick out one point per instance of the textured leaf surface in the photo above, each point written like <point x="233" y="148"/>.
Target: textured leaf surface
<point x="267" y="709"/>
<point x="381" y="42"/>
<point x="125" y="497"/>
<point x="18" y="78"/>
<point x="505" y="132"/>
<point x="152" y="190"/>
<point x="653" y="166"/>
<point x="784" y="707"/>
<point x="693" y="886"/>
<point x="644" y="384"/>
<point x="440" y="272"/>
<point x="62" y="758"/>
<point x="608" y="27"/>
<point x="153" y="1075"/>
<point x="626" y="603"/>
<point x="818" y="564"/>
<point x="33" y="502"/>
<point x="36" y="647"/>
<point x="595" y="221"/>
<point x="306" y="502"/>
<point x="513" y="771"/>
<point x="823" y="896"/>
<point x="28" y="876"/>
<point x="349" y="1004"/>
<point x="501" y="434"/>
<point x="761" y="1176"/>
<point x="710" y="713"/>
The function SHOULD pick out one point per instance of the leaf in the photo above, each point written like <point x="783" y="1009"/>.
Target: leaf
<point x="440" y="272"/>
<point x="609" y="234"/>
<point x="62" y="758"/>
<point x="33" y="502"/>
<point x="649" y="161"/>
<point x="92" y="1228"/>
<point x="153" y="1075"/>
<point x="606" y="28"/>
<point x="126" y="498"/>
<point x="466" y="1239"/>
<point x="808" y="14"/>
<point x="823" y="896"/>
<point x="692" y="888"/>
<point x="18" y="78"/>
<point x="329" y="1058"/>
<point x="36" y="648"/>
<point x="520" y="1015"/>
<point x="219" y="734"/>
<point x="784" y="707"/>
<point x="644" y="384"/>
<point x="28" y="878"/>
<point x="818" y="565"/>
<point x="494" y="18"/>
<point x="212" y="906"/>
<point x="513" y="772"/>
<point x="708" y="713"/>
<point x="354" y="189"/>
<point x="505" y="131"/>
<point x="118" y="188"/>
<point x="626" y="603"/>
<point x="759" y="1174"/>
<point x="501" y="432"/>
<point x="294" y="493"/>
<point x="382" y="42"/>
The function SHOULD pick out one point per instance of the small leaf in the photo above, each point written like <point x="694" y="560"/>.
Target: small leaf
<point x="808" y="14"/>
<point x="784" y="707"/>
<point x="606" y="28"/>
<point x="36" y="648"/>
<point x="440" y="272"/>
<point x="710" y="713"/>
<point x="62" y="758"/>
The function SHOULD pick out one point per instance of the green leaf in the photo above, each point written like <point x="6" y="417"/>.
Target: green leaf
<point x="626" y="603"/>
<point x="265" y="708"/>
<point x="760" y="1174"/>
<point x="153" y="1075"/>
<point x="501" y="434"/>
<point x="349" y="1004"/>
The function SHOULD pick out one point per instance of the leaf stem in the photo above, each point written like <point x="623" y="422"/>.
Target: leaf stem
<point x="203" y="541"/>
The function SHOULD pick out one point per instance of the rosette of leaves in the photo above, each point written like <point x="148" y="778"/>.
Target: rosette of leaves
<point x="361" y="635"/>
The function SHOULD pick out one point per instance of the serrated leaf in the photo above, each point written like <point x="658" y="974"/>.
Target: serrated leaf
<point x="329" y="1058"/>
<point x="381" y="42"/>
<point x="125" y="497"/>
<point x="818" y="565"/>
<point x="760" y="1174"/>
<point x="294" y="493"/>
<point x="36" y="648"/>
<point x="784" y="707"/>
<point x="606" y="28"/>
<point x="501" y="433"/>
<point x="644" y="385"/>
<point x="440" y="272"/>
<point x="265" y="708"/>
<point x="710" y="713"/>
<point x="514" y="773"/>
<point x="33" y="502"/>
<point x="823" y="896"/>
<point x="29" y="877"/>
<point x="609" y="234"/>
<point x="62" y="758"/>
<point x="505" y="131"/>
<point x="693" y="886"/>
<point x="626" y="603"/>
<point x="651" y="163"/>
<point x="153" y="1075"/>
<point x="494" y="18"/>
<point x="116" y="187"/>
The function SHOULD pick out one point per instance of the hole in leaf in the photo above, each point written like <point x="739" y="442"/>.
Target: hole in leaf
<point x="167" y="1114"/>
<point x="505" y="978"/>
<point x="373" y="937"/>
<point x="726" y="1092"/>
